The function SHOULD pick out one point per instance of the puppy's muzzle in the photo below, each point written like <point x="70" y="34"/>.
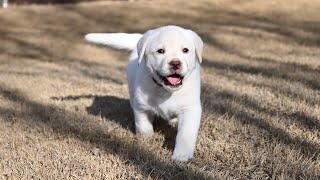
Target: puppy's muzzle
<point x="175" y="65"/>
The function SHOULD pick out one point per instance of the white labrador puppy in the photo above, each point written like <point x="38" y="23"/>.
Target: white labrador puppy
<point x="164" y="79"/>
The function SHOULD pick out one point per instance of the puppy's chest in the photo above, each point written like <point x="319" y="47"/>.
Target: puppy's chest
<point x="167" y="109"/>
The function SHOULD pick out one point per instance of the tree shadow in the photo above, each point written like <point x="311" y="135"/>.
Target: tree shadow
<point x="302" y="32"/>
<point x="304" y="93"/>
<point x="33" y="52"/>
<point x="69" y="124"/>
<point x="236" y="105"/>
<point x="280" y="71"/>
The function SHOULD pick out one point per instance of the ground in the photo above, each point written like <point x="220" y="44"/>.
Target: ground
<point x="65" y="113"/>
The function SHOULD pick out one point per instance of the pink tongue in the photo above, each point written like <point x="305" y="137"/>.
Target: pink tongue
<point x="174" y="80"/>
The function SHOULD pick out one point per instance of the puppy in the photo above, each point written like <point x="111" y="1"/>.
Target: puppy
<point x="164" y="80"/>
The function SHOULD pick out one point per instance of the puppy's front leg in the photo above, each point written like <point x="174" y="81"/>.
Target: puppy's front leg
<point x="188" y="127"/>
<point x="143" y="122"/>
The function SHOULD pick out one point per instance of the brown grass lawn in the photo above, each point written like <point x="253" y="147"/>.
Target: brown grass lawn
<point x="64" y="109"/>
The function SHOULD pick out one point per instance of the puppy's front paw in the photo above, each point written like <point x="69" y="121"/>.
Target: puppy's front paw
<point x="145" y="133"/>
<point x="173" y="122"/>
<point x="182" y="156"/>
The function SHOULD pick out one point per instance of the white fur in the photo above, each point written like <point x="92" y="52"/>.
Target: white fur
<point x="149" y="99"/>
<point x="115" y="40"/>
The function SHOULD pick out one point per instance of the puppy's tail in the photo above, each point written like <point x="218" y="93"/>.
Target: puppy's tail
<point x="115" y="40"/>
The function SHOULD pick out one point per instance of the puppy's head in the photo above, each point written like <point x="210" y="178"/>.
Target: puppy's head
<point x="170" y="53"/>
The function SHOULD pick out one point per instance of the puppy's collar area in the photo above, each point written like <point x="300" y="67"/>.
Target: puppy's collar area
<point x="156" y="82"/>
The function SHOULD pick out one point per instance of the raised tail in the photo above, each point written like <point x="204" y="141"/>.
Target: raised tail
<point x="115" y="40"/>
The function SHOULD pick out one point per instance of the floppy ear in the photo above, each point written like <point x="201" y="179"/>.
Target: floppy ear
<point x="198" y="44"/>
<point x="142" y="45"/>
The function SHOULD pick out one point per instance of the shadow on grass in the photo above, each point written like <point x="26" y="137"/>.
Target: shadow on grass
<point x="119" y="110"/>
<point x="69" y="124"/>
<point x="237" y="106"/>
<point x="302" y="32"/>
<point x="279" y="70"/>
<point x="38" y="53"/>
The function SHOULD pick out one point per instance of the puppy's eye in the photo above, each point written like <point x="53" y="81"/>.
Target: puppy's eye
<point x="185" y="50"/>
<point x="161" y="51"/>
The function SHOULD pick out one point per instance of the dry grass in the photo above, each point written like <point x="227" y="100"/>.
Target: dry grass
<point x="62" y="100"/>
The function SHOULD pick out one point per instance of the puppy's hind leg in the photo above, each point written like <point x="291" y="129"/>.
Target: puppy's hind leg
<point x="143" y="122"/>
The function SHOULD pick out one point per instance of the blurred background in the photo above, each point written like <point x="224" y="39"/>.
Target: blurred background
<point x="50" y="1"/>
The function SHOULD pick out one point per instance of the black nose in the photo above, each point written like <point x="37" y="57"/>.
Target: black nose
<point x="175" y="64"/>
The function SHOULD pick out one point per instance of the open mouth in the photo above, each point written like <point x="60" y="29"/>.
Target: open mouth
<point x="173" y="80"/>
